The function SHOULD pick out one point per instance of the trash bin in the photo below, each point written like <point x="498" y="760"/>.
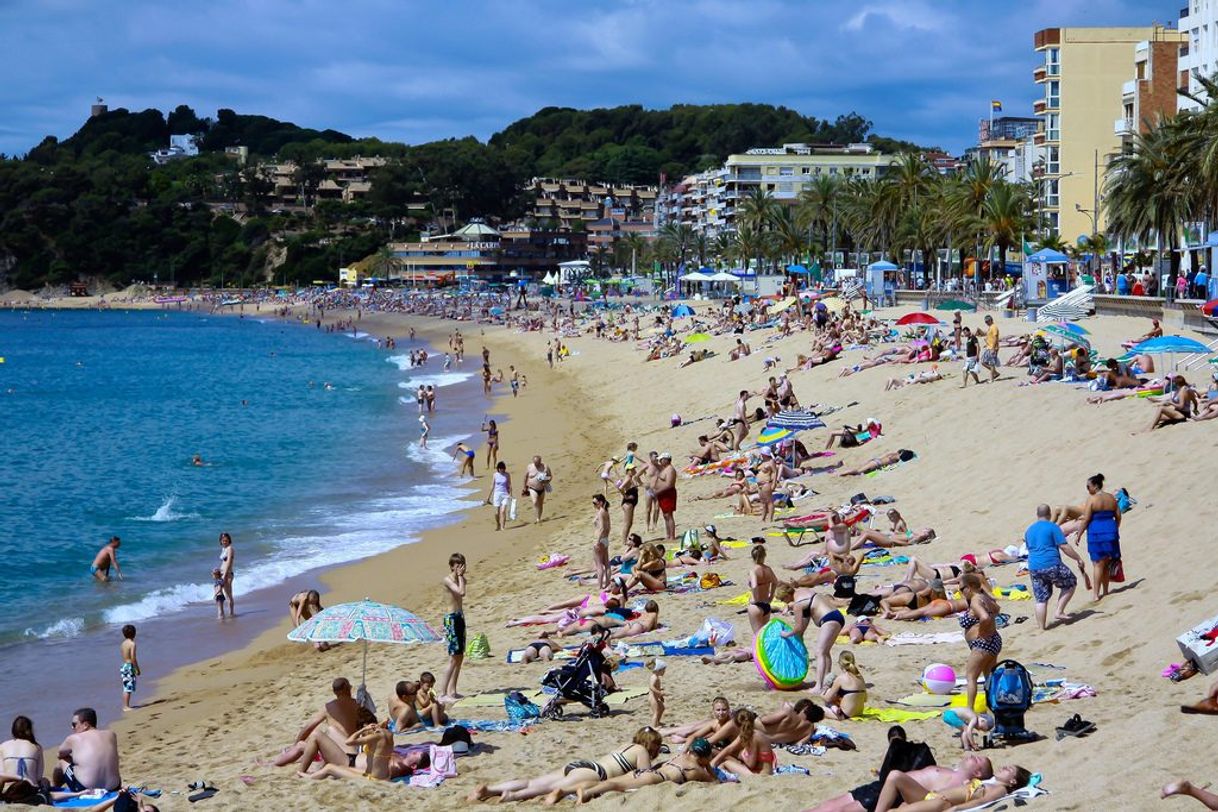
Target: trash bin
<point x="1032" y="311"/>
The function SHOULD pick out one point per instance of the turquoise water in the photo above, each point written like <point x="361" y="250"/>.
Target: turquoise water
<point x="102" y="412"/>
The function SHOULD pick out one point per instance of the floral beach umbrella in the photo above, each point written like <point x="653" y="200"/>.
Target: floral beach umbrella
<point x="364" y="620"/>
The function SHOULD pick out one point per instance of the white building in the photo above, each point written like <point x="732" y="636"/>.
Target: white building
<point x="180" y="146"/>
<point x="1199" y="55"/>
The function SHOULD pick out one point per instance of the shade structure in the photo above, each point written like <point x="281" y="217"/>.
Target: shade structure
<point x="954" y="304"/>
<point x="695" y="276"/>
<point x="781" y="305"/>
<point x="917" y="318"/>
<point x="781" y="661"/>
<point x="1047" y="256"/>
<point x="795" y="420"/>
<point x="697" y="338"/>
<point x="797" y="269"/>
<point x="770" y="436"/>
<point x="682" y="310"/>
<point x="366" y="621"/>
<point x="835" y="304"/>
<point x="1172" y="345"/>
<point x="1074" y="328"/>
<point x="724" y="276"/>
<point x="1057" y="334"/>
<point x="882" y="265"/>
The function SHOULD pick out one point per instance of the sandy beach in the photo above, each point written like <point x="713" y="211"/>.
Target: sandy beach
<point x="986" y="457"/>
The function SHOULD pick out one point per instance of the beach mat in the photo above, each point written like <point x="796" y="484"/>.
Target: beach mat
<point x="85" y="803"/>
<point x="896" y="716"/>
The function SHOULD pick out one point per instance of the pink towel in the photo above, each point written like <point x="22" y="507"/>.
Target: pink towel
<point x="443" y="765"/>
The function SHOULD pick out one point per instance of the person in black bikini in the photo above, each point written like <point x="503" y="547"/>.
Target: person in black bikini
<point x="820" y="611"/>
<point x="763" y="583"/>
<point x="628" y="487"/>
<point x="539" y="649"/>
<point x="692" y="765"/>
<point x="980" y="632"/>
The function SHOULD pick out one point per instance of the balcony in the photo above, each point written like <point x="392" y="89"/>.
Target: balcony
<point x="1129" y="89"/>
<point x="1038" y="74"/>
<point x="1123" y="126"/>
<point x="1038" y="107"/>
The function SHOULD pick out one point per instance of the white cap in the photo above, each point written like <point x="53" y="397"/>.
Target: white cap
<point x="658" y="665"/>
<point x="664" y="455"/>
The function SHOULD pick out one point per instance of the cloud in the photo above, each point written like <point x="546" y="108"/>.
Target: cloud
<point x="427" y="69"/>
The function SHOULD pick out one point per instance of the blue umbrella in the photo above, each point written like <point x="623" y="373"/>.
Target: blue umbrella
<point x="1047" y="256"/>
<point x="799" y="269"/>
<point x="1074" y="328"/>
<point x="682" y="310"/>
<point x="1164" y="345"/>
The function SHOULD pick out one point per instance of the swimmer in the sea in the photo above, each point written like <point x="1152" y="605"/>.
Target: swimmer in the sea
<point x="107" y="557"/>
<point x="197" y="460"/>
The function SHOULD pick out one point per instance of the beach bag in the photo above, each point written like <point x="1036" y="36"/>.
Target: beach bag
<point x="1116" y="571"/>
<point x="519" y="708"/>
<point x="713" y="632"/>
<point x="689" y="540"/>
<point x="479" y="648"/>
<point x="1198" y="645"/>
<point x="710" y="580"/>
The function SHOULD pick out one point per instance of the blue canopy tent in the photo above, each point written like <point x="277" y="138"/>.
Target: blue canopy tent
<point x="682" y="310"/>
<point x="879" y="288"/>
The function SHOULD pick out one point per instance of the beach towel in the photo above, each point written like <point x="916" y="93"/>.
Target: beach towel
<point x="443" y="765"/>
<point x="915" y="639"/>
<point x="1022" y="795"/>
<point x="895" y="716"/>
<point x="1013" y="593"/>
<point x="792" y="769"/>
<point x="86" y="802"/>
<point x="480" y="726"/>
<point x="878" y="471"/>
<point x="924" y="700"/>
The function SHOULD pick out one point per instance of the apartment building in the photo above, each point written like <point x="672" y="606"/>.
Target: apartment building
<point x="571" y="205"/>
<point x="1083" y="76"/>
<point x="344" y="179"/>
<point x="477" y="250"/>
<point x="1199" y="51"/>
<point x="1150" y="96"/>
<point x="708" y="202"/>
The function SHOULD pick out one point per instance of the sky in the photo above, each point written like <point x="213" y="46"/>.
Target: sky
<point x="418" y="70"/>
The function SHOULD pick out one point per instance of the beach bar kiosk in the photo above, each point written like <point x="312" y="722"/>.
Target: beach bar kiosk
<point x="1045" y="275"/>
<point x="881" y="281"/>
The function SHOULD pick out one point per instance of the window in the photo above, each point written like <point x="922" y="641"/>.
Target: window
<point x="771" y="170"/>
<point x="1052" y="62"/>
<point x="1051" y="221"/>
<point x="1053" y="127"/>
<point x="1053" y="161"/>
<point x="1051" y="193"/>
<point x="806" y="170"/>
<point x="833" y="170"/>
<point x="1053" y="94"/>
<point x="786" y="170"/>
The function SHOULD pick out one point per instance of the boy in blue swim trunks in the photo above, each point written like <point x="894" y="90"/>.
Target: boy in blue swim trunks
<point x="454" y="627"/>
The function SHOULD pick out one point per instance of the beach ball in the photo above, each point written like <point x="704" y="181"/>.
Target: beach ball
<point x="781" y="661"/>
<point x="676" y="420"/>
<point x="939" y="678"/>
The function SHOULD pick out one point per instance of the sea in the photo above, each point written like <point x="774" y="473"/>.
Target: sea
<point x="310" y="459"/>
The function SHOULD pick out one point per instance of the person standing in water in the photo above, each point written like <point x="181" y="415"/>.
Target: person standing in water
<point x="107" y="557"/>
<point x="465" y="455"/>
<point x="227" y="561"/>
<point x="424" y="430"/>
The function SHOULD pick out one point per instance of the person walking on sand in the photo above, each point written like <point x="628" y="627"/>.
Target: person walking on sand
<point x="600" y="547"/>
<point x="228" y="559"/>
<point x="1046" y="543"/>
<point x="655" y="691"/>
<point x="424" y="430"/>
<point x="537" y="479"/>
<point x="972" y="357"/>
<point x="107" y="557"/>
<point x="454" y="627"/>
<point x="665" y="487"/>
<point x="500" y="496"/>
<point x="130" y="669"/>
<point x="1101" y="520"/>
<point x="989" y="358"/>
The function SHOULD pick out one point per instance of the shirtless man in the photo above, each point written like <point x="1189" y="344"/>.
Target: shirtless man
<point x="106" y="557"/>
<point x="341" y="715"/>
<point x="537" y="479"/>
<point x="935" y="779"/>
<point x="740" y="429"/>
<point x="665" y="487"/>
<point x="767" y="481"/>
<point x="88" y="758"/>
<point x="402" y="705"/>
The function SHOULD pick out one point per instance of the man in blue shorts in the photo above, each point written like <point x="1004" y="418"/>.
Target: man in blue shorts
<point x="1046" y="543"/>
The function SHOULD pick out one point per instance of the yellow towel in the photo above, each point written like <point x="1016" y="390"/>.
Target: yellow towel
<point x="943" y="701"/>
<point x="895" y="716"/>
<point x="744" y="598"/>
<point x="1012" y="594"/>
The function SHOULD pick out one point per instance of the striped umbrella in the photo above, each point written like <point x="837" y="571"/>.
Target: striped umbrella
<point x="795" y="420"/>
<point x="1057" y="334"/>
<point x="364" y="620"/>
<point x="770" y="436"/>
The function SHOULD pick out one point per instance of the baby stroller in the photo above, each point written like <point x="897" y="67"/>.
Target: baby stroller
<point x="579" y="680"/>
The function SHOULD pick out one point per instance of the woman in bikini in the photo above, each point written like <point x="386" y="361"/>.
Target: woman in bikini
<point x="763" y="583"/>
<point x="821" y="612"/>
<point x="692" y="765"/>
<point x="539" y="649"/>
<point x="21" y="756"/>
<point x="949" y="573"/>
<point x="492" y="443"/>
<point x="628" y="487"/>
<point x="380" y="761"/>
<point x="847" y="696"/>
<point x="912" y="593"/>
<point x="792" y="724"/>
<point x="588" y="606"/>
<point x="751" y="753"/>
<point x="905" y="793"/>
<point x="876" y="463"/>
<point x="864" y="629"/>
<point x="980" y="632"/>
<point x="579" y="773"/>
<point x="650" y="569"/>
<point x="1178" y="408"/>
<point x="721" y="715"/>
<point x="647" y="621"/>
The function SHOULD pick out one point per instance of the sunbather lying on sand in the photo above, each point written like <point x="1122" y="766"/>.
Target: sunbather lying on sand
<point x="865" y="629"/>
<point x="935" y="778"/>
<point x="692" y="765"/>
<point x="579" y="773"/>
<point x="926" y="376"/>
<point x="903" y="792"/>
<point x="876" y="463"/>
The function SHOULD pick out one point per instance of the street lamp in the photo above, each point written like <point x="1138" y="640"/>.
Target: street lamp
<point x="1090" y="214"/>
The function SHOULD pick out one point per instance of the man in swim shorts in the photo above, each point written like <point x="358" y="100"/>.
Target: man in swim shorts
<point x="1046" y="542"/>
<point x="665" y="487"/>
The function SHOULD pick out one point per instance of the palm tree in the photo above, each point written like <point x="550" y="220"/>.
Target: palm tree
<point x="758" y="209"/>
<point x="725" y="247"/>
<point x="700" y="246"/>
<point x="1150" y="191"/>
<point x="817" y="206"/>
<point x="635" y="248"/>
<point x="1005" y="217"/>
<point x="789" y="238"/>
<point x="750" y="244"/>
<point x="912" y="176"/>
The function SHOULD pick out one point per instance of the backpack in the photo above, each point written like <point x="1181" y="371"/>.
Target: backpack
<point x="519" y="708"/>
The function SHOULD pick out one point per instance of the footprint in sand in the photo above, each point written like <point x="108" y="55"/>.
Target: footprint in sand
<point x="1113" y="659"/>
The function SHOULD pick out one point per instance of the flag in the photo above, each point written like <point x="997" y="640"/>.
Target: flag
<point x="996" y="106"/>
